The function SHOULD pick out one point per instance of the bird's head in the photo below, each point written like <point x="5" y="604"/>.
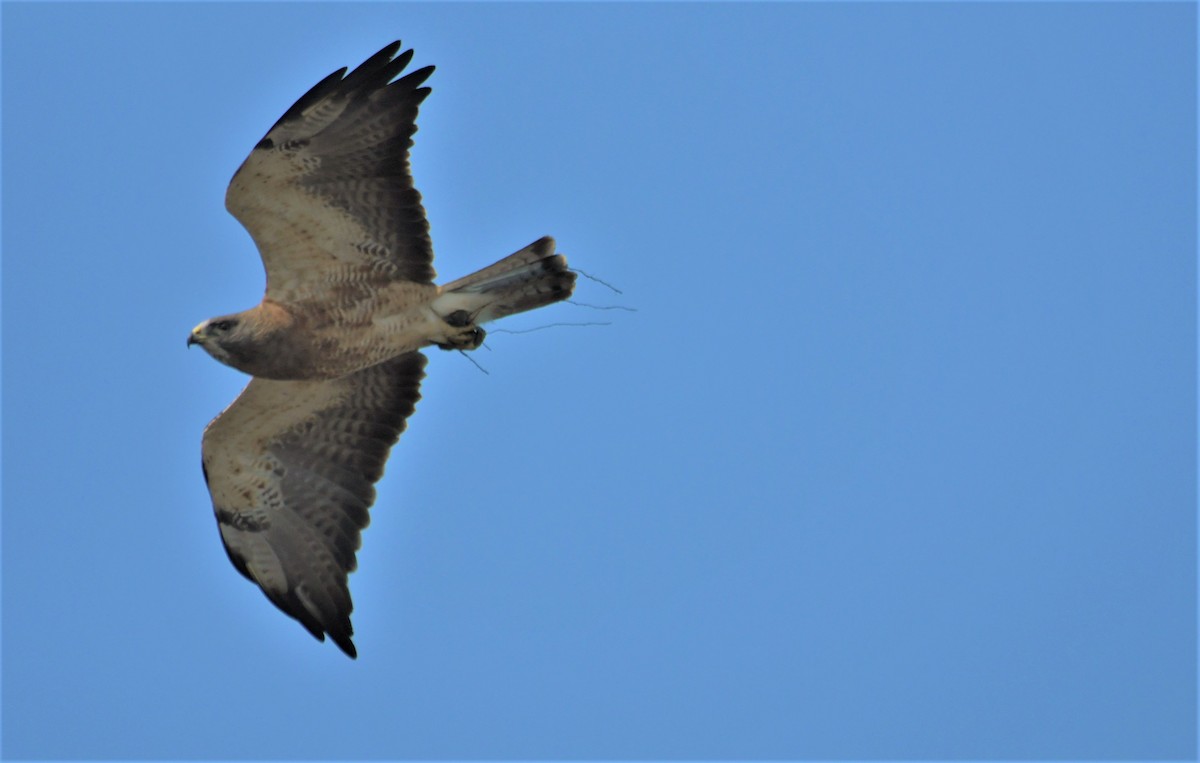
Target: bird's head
<point x="219" y="337"/>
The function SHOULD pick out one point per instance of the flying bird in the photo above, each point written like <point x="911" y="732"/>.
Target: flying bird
<point x="334" y="348"/>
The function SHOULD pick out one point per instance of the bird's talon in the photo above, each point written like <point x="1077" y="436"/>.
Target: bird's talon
<point x="468" y="339"/>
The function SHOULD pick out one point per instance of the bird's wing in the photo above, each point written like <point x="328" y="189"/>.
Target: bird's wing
<point x="291" y="467"/>
<point x="327" y="195"/>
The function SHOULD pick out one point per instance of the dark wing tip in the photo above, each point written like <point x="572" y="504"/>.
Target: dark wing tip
<point x="414" y="79"/>
<point x="371" y="75"/>
<point x="378" y="70"/>
<point x="316" y="93"/>
<point x="339" y="632"/>
<point x="385" y="56"/>
<point x="345" y="644"/>
<point x="336" y="625"/>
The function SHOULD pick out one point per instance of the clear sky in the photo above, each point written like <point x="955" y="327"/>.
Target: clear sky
<point x="895" y="459"/>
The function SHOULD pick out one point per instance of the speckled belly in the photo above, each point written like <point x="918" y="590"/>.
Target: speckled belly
<point x="366" y="332"/>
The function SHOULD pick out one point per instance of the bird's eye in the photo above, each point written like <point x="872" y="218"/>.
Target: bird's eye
<point x="222" y="325"/>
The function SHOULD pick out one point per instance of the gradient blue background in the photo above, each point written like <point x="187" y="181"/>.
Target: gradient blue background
<point x="895" y="460"/>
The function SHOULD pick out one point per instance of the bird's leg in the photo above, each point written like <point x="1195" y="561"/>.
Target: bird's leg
<point x="467" y="336"/>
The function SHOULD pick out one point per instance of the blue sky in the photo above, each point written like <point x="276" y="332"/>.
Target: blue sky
<point x="896" y="458"/>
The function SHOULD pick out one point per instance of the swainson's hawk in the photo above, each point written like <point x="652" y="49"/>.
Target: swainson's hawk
<point x="334" y="346"/>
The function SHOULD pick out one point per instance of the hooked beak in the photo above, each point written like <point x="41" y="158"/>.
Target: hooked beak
<point x="195" y="337"/>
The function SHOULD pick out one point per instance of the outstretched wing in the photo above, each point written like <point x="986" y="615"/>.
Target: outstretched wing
<point x="291" y="467"/>
<point x="327" y="195"/>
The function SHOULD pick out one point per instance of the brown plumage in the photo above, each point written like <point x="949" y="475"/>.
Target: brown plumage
<point x="334" y="347"/>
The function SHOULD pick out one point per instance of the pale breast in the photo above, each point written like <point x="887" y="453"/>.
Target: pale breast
<point x="363" y="330"/>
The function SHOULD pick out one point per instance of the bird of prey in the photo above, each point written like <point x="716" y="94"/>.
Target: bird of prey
<point x="334" y="348"/>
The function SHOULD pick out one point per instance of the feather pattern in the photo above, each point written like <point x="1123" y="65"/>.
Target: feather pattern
<point x="333" y="348"/>
<point x="291" y="466"/>
<point x="327" y="194"/>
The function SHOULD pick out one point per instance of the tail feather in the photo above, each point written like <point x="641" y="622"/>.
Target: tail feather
<point x="531" y="278"/>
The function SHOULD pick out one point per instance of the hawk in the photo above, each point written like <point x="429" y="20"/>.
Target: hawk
<point x="334" y="348"/>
